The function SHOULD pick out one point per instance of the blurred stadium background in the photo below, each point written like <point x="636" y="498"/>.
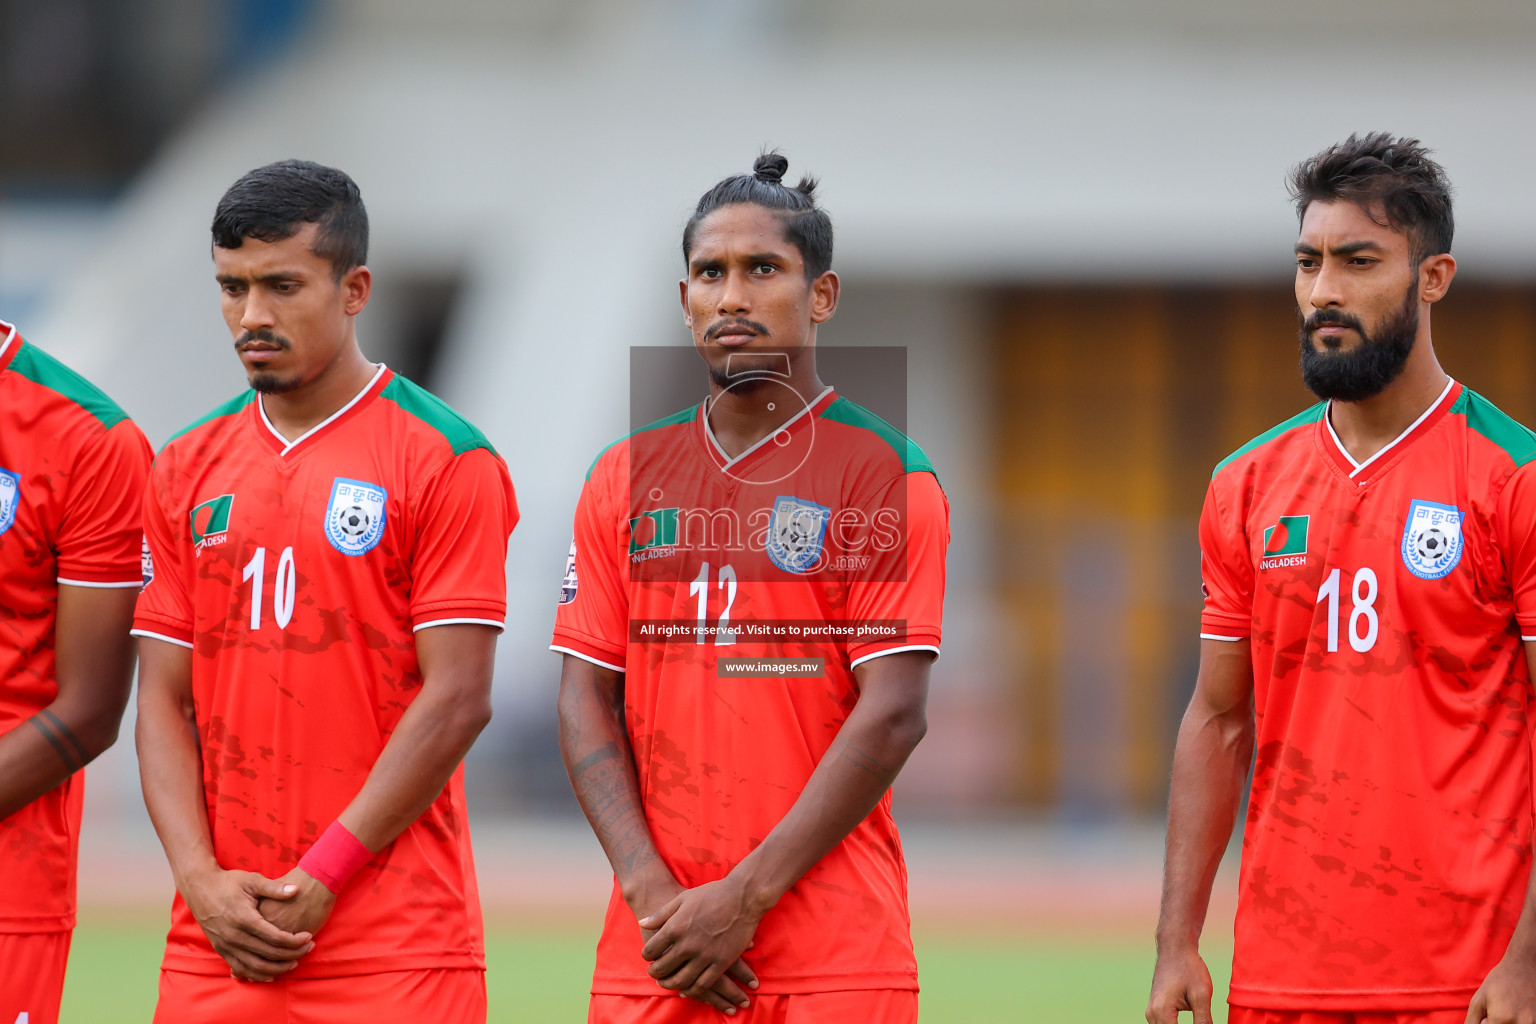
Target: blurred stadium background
<point x="1070" y="212"/>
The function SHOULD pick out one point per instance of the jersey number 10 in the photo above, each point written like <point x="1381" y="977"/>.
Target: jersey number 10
<point x="1363" y="590"/>
<point x="282" y="588"/>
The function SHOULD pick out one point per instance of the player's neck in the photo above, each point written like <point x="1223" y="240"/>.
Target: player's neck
<point x="1365" y="428"/>
<point x="294" y="413"/>
<point x="741" y="417"/>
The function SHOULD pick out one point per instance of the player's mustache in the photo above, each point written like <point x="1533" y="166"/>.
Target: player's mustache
<point x="264" y="336"/>
<point x="717" y="329"/>
<point x="1333" y="318"/>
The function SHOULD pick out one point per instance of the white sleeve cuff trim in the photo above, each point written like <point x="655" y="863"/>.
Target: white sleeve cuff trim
<point x="1218" y="636"/>
<point x="101" y="586"/>
<point x="894" y="650"/>
<point x="459" y="622"/>
<point x="586" y="657"/>
<point x="1528" y="639"/>
<point x="160" y="636"/>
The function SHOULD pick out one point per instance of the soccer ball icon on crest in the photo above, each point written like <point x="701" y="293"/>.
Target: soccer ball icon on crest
<point x="1432" y="544"/>
<point x="353" y="521"/>
<point x="799" y="533"/>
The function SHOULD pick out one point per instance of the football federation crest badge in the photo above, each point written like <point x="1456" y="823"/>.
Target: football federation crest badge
<point x="1432" y="539"/>
<point x="10" y="497"/>
<point x="796" y="533"/>
<point x="354" y="519"/>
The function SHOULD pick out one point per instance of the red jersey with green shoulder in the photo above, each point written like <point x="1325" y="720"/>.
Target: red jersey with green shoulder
<point x="72" y="470"/>
<point x="298" y="574"/>
<point x="1388" y="839"/>
<point x="823" y="543"/>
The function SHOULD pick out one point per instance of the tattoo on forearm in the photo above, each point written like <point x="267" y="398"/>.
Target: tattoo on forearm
<point x="604" y="779"/>
<point x="69" y="736"/>
<point x="605" y="784"/>
<point x="62" y="739"/>
<point x="606" y="752"/>
<point x="867" y="762"/>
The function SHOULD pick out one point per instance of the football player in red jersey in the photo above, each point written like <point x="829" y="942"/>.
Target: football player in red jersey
<point x="72" y="471"/>
<point x="744" y="804"/>
<point x="317" y="639"/>
<point x="1370" y="578"/>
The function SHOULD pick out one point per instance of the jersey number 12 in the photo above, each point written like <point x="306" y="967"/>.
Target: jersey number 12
<point x="699" y="588"/>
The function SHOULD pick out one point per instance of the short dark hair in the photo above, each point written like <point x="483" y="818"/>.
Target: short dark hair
<point x="806" y="225"/>
<point x="1378" y="171"/>
<point x="273" y="202"/>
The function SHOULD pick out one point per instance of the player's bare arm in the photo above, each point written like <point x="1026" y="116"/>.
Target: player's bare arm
<point x="1210" y="765"/>
<point x="598" y="758"/>
<point x="705" y="929"/>
<point x="95" y="670"/>
<point x="433" y="736"/>
<point x="223" y="902"/>
<point x="595" y="746"/>
<point x="1508" y="994"/>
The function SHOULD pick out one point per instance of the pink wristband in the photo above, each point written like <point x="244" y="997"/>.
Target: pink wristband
<point x="335" y="857"/>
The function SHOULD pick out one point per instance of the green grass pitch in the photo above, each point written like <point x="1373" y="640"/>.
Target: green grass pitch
<point x="540" y="976"/>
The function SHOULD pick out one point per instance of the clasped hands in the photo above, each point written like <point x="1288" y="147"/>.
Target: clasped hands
<point x="261" y="926"/>
<point x="695" y="941"/>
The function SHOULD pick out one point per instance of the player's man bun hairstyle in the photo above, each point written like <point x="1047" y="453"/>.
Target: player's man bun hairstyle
<point x="806" y="225"/>
<point x="273" y="202"/>
<point x="1386" y="176"/>
<point x="770" y="167"/>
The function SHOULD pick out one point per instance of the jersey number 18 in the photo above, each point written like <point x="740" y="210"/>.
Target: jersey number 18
<point x="1363" y="622"/>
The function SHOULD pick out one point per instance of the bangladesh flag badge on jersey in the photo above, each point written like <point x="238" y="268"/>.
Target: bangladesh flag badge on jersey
<point x="354" y="518"/>
<point x="1285" y="543"/>
<point x="210" y="521"/>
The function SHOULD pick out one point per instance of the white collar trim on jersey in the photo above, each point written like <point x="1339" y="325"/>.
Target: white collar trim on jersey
<point x="288" y="445"/>
<point x="729" y="462"/>
<point x="10" y="336"/>
<point x="1328" y="419"/>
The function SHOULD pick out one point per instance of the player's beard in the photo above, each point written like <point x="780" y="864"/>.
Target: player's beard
<point x="744" y="371"/>
<point x="1365" y="370"/>
<point x="741" y="381"/>
<point x="267" y="382"/>
<point x="271" y="384"/>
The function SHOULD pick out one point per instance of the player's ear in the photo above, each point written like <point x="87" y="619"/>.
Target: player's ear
<point x="1435" y="275"/>
<point x="824" y="294"/>
<point x="357" y="285"/>
<point x="682" y="294"/>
